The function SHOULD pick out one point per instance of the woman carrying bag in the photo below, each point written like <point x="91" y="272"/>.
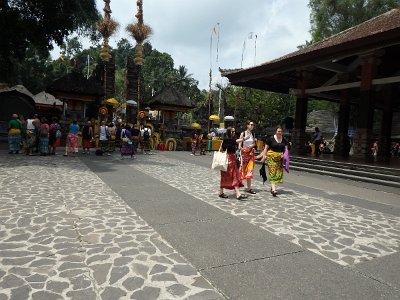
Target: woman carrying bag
<point x="230" y="179"/>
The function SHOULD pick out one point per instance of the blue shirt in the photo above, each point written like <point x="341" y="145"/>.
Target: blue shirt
<point x="74" y="128"/>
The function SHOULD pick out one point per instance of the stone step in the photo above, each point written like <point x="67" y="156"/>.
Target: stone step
<point x="373" y="174"/>
<point x="346" y="165"/>
<point x="343" y="175"/>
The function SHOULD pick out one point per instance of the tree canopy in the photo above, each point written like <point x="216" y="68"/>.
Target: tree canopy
<point x="329" y="17"/>
<point x="36" y="24"/>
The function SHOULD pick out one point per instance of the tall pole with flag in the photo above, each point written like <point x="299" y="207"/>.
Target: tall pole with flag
<point x="214" y="31"/>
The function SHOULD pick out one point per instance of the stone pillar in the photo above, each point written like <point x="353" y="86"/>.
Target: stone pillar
<point x="342" y="142"/>
<point x="364" y="135"/>
<point x="300" y="120"/>
<point x="386" y="128"/>
<point x="299" y="131"/>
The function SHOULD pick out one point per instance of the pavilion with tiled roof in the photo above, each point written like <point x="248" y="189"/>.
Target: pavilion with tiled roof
<point x="358" y="66"/>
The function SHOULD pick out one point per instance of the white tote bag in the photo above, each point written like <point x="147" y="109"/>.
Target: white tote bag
<point x="220" y="160"/>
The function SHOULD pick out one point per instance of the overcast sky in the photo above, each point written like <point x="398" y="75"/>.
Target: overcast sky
<point x="183" y="28"/>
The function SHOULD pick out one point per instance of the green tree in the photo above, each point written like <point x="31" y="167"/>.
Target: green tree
<point x="158" y="72"/>
<point x="329" y="17"/>
<point x="121" y="53"/>
<point x="266" y="109"/>
<point x="37" y="24"/>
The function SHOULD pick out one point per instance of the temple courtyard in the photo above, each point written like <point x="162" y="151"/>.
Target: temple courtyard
<point x="153" y="227"/>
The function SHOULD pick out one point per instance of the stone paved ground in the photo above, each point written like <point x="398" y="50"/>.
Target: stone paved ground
<point x="64" y="234"/>
<point x="343" y="233"/>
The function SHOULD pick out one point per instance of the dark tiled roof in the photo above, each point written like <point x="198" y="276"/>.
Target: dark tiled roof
<point x="76" y="83"/>
<point x="171" y="97"/>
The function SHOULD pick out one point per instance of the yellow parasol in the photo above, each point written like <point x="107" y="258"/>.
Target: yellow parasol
<point x="213" y="118"/>
<point x="195" y="126"/>
<point x="112" y="101"/>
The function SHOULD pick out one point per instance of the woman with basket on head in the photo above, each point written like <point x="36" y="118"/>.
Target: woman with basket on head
<point x="230" y="179"/>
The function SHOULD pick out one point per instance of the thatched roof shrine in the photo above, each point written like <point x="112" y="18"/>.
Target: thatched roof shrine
<point x="170" y="99"/>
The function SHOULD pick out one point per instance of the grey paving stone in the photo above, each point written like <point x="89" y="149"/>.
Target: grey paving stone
<point x="122" y="261"/>
<point x="11" y="281"/>
<point x="12" y="246"/>
<point x="177" y="290"/>
<point x="71" y="265"/>
<point x="133" y="283"/>
<point x="112" y="293"/>
<point x="57" y="286"/>
<point x="43" y="262"/>
<point x="148" y="293"/>
<point x="81" y="282"/>
<point x="140" y="269"/>
<point x="101" y="272"/>
<point x="117" y="273"/>
<point x="18" y="253"/>
<point x="36" y="278"/>
<point x="20" y="293"/>
<point x="20" y="271"/>
<point x="44" y="295"/>
<point x="163" y="277"/>
<point x="97" y="258"/>
<point x="17" y="261"/>
<point x="158" y="269"/>
<point x="87" y="294"/>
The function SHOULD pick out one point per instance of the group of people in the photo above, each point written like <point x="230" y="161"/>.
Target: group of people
<point x="127" y="137"/>
<point x="38" y="135"/>
<point x="199" y="143"/>
<point x="241" y="160"/>
<point x="33" y="135"/>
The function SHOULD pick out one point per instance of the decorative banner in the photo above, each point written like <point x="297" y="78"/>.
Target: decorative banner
<point x="103" y="110"/>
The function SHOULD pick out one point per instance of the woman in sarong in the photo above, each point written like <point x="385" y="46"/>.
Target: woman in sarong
<point x="230" y="179"/>
<point x="194" y="142"/>
<point x="72" y="139"/>
<point x="44" y="137"/>
<point x="127" y="147"/>
<point x="14" y="134"/>
<point x="247" y="145"/>
<point x="87" y="137"/>
<point x="273" y="152"/>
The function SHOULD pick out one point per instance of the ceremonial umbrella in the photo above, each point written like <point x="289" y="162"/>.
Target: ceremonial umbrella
<point x="195" y="126"/>
<point x="229" y="118"/>
<point x="213" y="118"/>
<point x="112" y="101"/>
<point x="131" y="102"/>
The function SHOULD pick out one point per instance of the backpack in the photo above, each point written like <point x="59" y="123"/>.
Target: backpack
<point x="146" y="134"/>
<point x="44" y="132"/>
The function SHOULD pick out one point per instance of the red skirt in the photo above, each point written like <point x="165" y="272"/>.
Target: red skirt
<point x="87" y="143"/>
<point x="231" y="178"/>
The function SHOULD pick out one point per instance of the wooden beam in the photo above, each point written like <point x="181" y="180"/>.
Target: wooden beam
<point x="349" y="85"/>
<point x="330" y="66"/>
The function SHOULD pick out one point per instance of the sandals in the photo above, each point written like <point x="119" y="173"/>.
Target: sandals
<point x="250" y="191"/>
<point x="242" y="198"/>
<point x="274" y="193"/>
<point x="223" y="196"/>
